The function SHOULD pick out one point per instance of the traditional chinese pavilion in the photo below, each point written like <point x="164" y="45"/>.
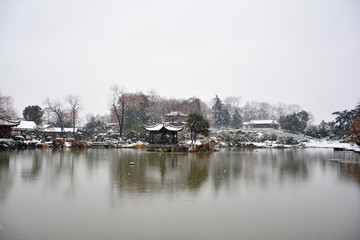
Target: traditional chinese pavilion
<point x="163" y="136"/>
<point x="5" y="127"/>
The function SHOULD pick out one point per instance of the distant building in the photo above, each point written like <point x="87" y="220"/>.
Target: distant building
<point x="30" y="127"/>
<point x="103" y="118"/>
<point x="25" y="127"/>
<point x="56" y="131"/>
<point x="260" y="124"/>
<point x="175" y="117"/>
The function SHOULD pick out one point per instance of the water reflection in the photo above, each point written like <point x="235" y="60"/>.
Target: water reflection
<point x="198" y="170"/>
<point x="33" y="173"/>
<point x="6" y="175"/>
<point x="350" y="172"/>
<point x="154" y="172"/>
<point x="249" y="188"/>
<point x="293" y="166"/>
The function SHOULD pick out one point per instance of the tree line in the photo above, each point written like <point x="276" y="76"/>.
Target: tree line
<point x="132" y="110"/>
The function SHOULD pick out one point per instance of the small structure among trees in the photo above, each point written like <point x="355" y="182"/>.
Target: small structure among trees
<point x="24" y="128"/>
<point x="163" y="137"/>
<point x="175" y="118"/>
<point x="6" y="127"/>
<point x="260" y="124"/>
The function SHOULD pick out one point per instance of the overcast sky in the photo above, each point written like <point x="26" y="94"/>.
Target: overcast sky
<point x="297" y="52"/>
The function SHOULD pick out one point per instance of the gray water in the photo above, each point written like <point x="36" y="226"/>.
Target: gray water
<point x="259" y="194"/>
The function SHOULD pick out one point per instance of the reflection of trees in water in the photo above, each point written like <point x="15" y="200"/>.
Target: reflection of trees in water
<point x="259" y="167"/>
<point x="350" y="172"/>
<point x="169" y="172"/>
<point x="250" y="160"/>
<point x="125" y="176"/>
<point x="53" y="168"/>
<point x="6" y="175"/>
<point x="154" y="172"/>
<point x="220" y="170"/>
<point x="293" y="165"/>
<point x="198" y="171"/>
<point x="150" y="172"/>
<point x="345" y="163"/>
<point x="57" y="167"/>
<point x="33" y="173"/>
<point x="62" y="163"/>
<point x="95" y="157"/>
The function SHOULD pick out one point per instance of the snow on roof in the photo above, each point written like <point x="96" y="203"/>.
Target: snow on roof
<point x="156" y="127"/>
<point x="263" y="122"/>
<point x="11" y="123"/>
<point x="172" y="128"/>
<point x="58" y="130"/>
<point x="24" y="125"/>
<point x="175" y="113"/>
<point x="167" y="126"/>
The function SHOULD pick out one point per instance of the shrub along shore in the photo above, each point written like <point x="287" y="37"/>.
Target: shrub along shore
<point x="230" y="138"/>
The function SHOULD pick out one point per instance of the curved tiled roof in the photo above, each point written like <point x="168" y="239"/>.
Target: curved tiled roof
<point x="167" y="126"/>
<point x="12" y="123"/>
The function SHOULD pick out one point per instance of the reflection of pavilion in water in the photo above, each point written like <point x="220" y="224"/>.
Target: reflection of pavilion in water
<point x="163" y="137"/>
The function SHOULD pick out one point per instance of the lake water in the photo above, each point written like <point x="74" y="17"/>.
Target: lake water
<point x="249" y="194"/>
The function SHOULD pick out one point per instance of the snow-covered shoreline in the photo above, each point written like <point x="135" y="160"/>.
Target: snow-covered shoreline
<point x="321" y="143"/>
<point x="10" y="144"/>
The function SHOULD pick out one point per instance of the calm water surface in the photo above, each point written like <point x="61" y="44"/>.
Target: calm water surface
<point x="259" y="194"/>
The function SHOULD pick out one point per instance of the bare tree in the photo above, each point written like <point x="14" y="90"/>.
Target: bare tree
<point x="250" y="111"/>
<point x="7" y="110"/>
<point x="232" y="103"/>
<point x="120" y="104"/>
<point x="58" y="109"/>
<point x="75" y="106"/>
<point x="88" y="117"/>
<point x="154" y="108"/>
<point x="193" y="105"/>
<point x="282" y="109"/>
<point x="264" y="110"/>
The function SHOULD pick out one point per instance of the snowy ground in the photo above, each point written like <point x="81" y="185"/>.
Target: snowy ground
<point x="321" y="143"/>
<point x="304" y="141"/>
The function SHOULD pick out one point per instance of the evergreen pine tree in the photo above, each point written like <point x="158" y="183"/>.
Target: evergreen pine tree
<point x="217" y="109"/>
<point x="33" y="113"/>
<point x="197" y="124"/>
<point x="225" y="117"/>
<point x="236" y="119"/>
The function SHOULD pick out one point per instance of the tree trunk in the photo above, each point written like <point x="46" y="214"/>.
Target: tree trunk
<point x="74" y="121"/>
<point x="119" y="119"/>
<point x="122" y="125"/>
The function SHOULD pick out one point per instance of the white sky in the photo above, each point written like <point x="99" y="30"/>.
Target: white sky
<point x="298" y="52"/>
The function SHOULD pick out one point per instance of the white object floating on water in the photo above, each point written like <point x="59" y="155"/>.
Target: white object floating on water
<point x="132" y="163"/>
